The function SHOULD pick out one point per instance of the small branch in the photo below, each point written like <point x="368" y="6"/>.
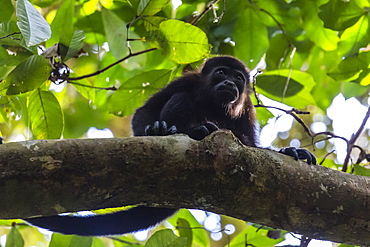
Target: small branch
<point x="293" y="113"/>
<point x="113" y="88"/>
<point x="204" y="12"/>
<point x="9" y="36"/>
<point x="111" y="65"/>
<point x="353" y="139"/>
<point x="277" y="23"/>
<point x="329" y="134"/>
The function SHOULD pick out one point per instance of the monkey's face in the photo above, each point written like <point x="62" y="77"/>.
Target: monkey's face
<point x="227" y="84"/>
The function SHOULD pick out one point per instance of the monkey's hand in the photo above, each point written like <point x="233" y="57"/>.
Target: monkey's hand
<point x="159" y="128"/>
<point x="299" y="153"/>
<point x="201" y="131"/>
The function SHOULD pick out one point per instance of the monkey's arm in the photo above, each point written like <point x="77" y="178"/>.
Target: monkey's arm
<point x="132" y="220"/>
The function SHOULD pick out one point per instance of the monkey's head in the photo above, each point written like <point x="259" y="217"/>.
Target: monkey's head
<point x="227" y="80"/>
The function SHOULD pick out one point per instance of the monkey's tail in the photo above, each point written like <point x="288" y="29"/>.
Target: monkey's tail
<point x="118" y="223"/>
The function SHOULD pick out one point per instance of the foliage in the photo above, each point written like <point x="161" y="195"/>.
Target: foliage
<point x="65" y="65"/>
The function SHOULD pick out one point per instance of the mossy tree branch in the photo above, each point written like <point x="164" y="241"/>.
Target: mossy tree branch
<point x="217" y="174"/>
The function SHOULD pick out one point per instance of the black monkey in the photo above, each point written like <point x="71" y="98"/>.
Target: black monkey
<point x="198" y="103"/>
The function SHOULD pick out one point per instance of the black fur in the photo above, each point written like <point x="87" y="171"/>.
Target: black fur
<point x="199" y="103"/>
<point x="132" y="220"/>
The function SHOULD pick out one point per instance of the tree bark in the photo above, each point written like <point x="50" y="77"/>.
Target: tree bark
<point x="217" y="174"/>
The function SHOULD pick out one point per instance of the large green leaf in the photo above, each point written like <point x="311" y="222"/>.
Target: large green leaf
<point x="199" y="236"/>
<point x="354" y="38"/>
<point x="69" y="46"/>
<point x="7" y="28"/>
<point x="255" y="237"/>
<point x="45" y="115"/>
<point x="350" y="68"/>
<point x="180" y="41"/>
<point x="58" y="240"/>
<point x="275" y="85"/>
<point x="81" y="241"/>
<point x="116" y="33"/>
<point x="165" y="238"/>
<point x="136" y="90"/>
<point x="325" y="38"/>
<point x="273" y="12"/>
<point x="291" y="87"/>
<point x="33" y="26"/>
<point x="150" y="7"/>
<point x="6" y="10"/>
<point x="62" y="24"/>
<point x="14" y="238"/>
<point x="28" y="75"/>
<point x="339" y="15"/>
<point x="251" y="39"/>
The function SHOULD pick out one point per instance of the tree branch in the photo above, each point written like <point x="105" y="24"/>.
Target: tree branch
<point x="217" y="174"/>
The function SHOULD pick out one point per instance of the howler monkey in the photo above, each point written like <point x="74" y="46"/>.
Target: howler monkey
<point x="198" y="103"/>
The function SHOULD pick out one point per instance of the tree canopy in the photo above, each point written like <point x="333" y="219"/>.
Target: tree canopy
<point x="67" y="66"/>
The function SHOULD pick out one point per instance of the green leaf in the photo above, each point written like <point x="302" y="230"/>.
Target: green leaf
<point x="33" y="26"/>
<point x="275" y="85"/>
<point x="278" y="52"/>
<point x="165" y="238"/>
<point x="80" y="241"/>
<point x="350" y="68"/>
<point x="298" y="87"/>
<point x="251" y="39"/>
<point x="6" y="10"/>
<point x="151" y="23"/>
<point x="185" y="230"/>
<point x="116" y="33"/>
<point x="150" y="7"/>
<point x="360" y="170"/>
<point x="85" y="91"/>
<point x="62" y="24"/>
<point x="199" y="236"/>
<point x="71" y="44"/>
<point x="136" y="90"/>
<point x="180" y="41"/>
<point x="339" y="15"/>
<point x="14" y="238"/>
<point x="45" y="115"/>
<point x="354" y="38"/>
<point x="325" y="38"/>
<point x="10" y="27"/>
<point x="28" y="75"/>
<point x="59" y="240"/>
<point x="255" y="237"/>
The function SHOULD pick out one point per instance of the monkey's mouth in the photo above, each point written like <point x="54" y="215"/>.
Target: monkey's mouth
<point x="226" y="94"/>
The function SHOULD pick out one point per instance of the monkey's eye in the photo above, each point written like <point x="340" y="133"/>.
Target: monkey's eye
<point x="220" y="72"/>
<point x="240" y="78"/>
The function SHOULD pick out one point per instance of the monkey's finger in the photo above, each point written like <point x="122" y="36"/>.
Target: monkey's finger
<point x="305" y="154"/>
<point x="162" y="128"/>
<point x="291" y="151"/>
<point x="172" y="130"/>
<point x="148" y="130"/>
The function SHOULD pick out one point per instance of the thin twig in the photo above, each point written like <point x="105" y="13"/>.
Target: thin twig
<point x="113" y="88"/>
<point x="204" y="12"/>
<point x="111" y="65"/>
<point x="353" y="139"/>
<point x="9" y="36"/>
<point x="293" y="112"/>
